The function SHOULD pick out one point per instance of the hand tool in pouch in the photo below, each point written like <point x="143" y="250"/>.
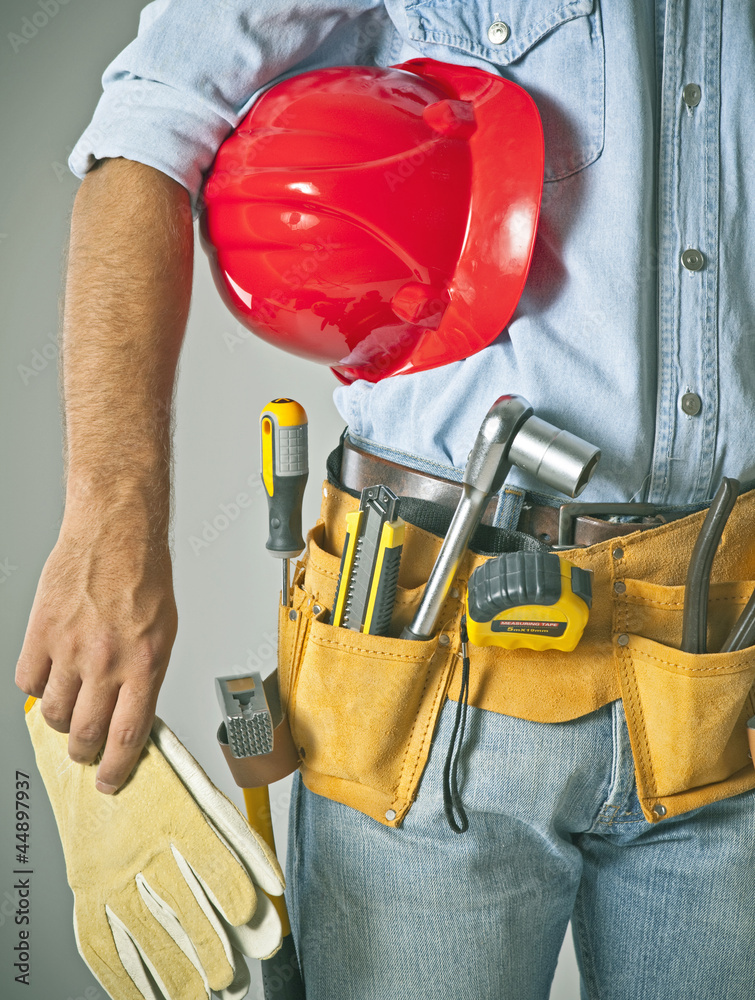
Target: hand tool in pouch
<point x="252" y="723"/>
<point x="368" y="577"/>
<point x="247" y="718"/>
<point x="285" y="468"/>
<point x="697" y="585"/>
<point x="510" y="435"/>
<point x="536" y="600"/>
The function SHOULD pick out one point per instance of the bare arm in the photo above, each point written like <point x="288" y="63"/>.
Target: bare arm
<point x="104" y="620"/>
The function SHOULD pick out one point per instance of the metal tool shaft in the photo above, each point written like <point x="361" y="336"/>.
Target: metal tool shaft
<point x="507" y="436"/>
<point x="462" y="527"/>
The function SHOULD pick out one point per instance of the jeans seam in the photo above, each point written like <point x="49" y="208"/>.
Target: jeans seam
<point x="586" y="965"/>
<point x="607" y="815"/>
<point x="293" y="864"/>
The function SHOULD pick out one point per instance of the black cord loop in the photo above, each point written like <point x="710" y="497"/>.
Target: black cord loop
<point x="452" y="804"/>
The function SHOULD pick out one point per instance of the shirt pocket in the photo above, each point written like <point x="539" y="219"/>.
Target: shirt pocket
<point x="553" y="50"/>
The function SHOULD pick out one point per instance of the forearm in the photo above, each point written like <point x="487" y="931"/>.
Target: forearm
<point x="104" y="617"/>
<point x="127" y="299"/>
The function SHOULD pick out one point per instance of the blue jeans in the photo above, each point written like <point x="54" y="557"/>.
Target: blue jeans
<point x="664" y="910"/>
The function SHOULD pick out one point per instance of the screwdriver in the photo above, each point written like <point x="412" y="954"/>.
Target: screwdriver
<point x="283" y="429"/>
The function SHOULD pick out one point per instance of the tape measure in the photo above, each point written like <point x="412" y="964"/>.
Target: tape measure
<point x="535" y="600"/>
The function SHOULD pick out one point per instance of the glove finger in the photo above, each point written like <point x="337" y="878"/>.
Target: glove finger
<point x="261" y="936"/>
<point x="258" y="936"/>
<point x="121" y="976"/>
<point x="134" y="962"/>
<point x="248" y="846"/>
<point x="241" y="982"/>
<point x="178" y="901"/>
<point x="178" y="974"/>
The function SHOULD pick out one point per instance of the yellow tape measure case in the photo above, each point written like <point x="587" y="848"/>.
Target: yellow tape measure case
<point x="535" y="600"/>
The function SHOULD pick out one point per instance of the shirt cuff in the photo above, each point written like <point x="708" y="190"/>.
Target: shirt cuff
<point x="154" y="124"/>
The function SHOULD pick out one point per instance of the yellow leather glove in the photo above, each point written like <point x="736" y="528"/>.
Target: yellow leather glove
<point x="166" y="873"/>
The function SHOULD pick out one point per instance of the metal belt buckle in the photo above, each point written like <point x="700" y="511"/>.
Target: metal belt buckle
<point x="569" y="512"/>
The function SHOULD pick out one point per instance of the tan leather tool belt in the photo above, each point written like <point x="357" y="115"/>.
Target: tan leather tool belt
<point x="363" y="708"/>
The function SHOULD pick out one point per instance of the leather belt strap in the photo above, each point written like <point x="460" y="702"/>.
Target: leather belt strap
<point x="360" y="469"/>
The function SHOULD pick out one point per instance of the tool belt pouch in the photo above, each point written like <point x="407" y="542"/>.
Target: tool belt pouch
<point x="362" y="708"/>
<point x="686" y="713"/>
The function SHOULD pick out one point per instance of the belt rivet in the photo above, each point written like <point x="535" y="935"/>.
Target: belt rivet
<point x="443" y="639"/>
<point x="390" y="815"/>
<point x="316" y="609"/>
<point x="620" y="587"/>
<point x="659" y="810"/>
<point x="618" y="553"/>
<point x="292" y="616"/>
<point x="623" y="639"/>
<point x="454" y="593"/>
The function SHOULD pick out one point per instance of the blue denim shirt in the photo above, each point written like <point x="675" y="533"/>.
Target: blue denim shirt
<point x="648" y="111"/>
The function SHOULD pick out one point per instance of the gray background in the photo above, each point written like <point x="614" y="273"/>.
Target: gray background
<point x="227" y="591"/>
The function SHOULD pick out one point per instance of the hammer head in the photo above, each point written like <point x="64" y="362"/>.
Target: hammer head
<point x="512" y="435"/>
<point x="246" y="714"/>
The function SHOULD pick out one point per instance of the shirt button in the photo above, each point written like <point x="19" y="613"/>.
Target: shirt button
<point x="693" y="260"/>
<point x="691" y="95"/>
<point x="691" y="404"/>
<point x="498" y="32"/>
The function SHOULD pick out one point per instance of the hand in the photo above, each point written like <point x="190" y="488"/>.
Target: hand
<point x="98" y="642"/>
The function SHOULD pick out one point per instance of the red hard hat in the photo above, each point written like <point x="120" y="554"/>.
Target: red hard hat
<point x="378" y="220"/>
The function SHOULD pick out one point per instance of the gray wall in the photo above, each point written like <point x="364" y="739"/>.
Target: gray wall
<point x="227" y="591"/>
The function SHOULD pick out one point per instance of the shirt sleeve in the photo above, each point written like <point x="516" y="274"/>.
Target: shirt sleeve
<point x="173" y="95"/>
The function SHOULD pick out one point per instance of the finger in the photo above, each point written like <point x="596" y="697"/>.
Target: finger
<point x="129" y="729"/>
<point x="90" y="722"/>
<point x="33" y="669"/>
<point x="59" y="698"/>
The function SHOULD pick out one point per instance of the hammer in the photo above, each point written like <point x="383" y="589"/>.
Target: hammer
<point x="510" y="435"/>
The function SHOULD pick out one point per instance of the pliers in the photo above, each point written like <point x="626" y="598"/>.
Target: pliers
<point x="695" y="621"/>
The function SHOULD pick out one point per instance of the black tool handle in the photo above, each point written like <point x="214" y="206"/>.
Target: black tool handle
<point x="285" y="467"/>
<point x="281" y="976"/>
<point x="285" y="537"/>
<point x="697" y="586"/>
<point x="742" y="634"/>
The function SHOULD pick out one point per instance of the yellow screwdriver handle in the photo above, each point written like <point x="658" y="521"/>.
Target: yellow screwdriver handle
<point x="285" y="468"/>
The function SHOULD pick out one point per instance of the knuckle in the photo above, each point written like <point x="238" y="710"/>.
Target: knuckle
<point x="104" y="647"/>
<point x="147" y="654"/>
<point x="26" y="677"/>
<point x="28" y="684"/>
<point x="89" y="735"/>
<point x="56" y="718"/>
<point x="128" y="737"/>
<point x="69" y="646"/>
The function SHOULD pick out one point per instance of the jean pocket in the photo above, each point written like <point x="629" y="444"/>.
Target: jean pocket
<point x="553" y="50"/>
<point x="687" y="717"/>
